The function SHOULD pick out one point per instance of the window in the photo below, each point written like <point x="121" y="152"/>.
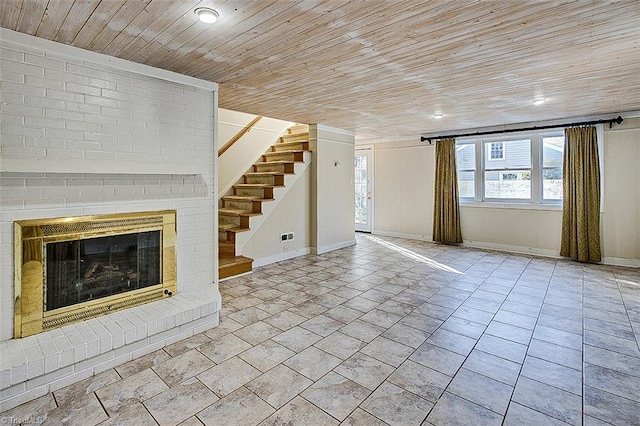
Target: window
<point x="522" y="169"/>
<point x="517" y="168"/>
<point x="497" y="151"/>
<point x="552" y="157"/>
<point x="466" y="164"/>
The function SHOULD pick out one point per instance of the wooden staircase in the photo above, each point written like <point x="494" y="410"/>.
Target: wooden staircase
<point x="257" y="187"/>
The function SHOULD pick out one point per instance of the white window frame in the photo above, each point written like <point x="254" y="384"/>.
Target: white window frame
<point x="537" y="202"/>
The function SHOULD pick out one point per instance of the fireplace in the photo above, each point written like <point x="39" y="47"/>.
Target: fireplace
<point x="76" y="268"/>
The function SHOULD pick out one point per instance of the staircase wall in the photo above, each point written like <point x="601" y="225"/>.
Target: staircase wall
<point x="292" y="214"/>
<point x="239" y="158"/>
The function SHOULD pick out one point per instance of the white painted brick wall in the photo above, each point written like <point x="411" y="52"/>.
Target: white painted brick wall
<point x="85" y="118"/>
<point x="57" y="109"/>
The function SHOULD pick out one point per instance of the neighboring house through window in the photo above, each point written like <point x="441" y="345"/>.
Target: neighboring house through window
<point x="497" y="151"/>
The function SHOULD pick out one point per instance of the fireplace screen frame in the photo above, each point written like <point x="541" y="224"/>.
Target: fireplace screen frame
<point x="30" y="239"/>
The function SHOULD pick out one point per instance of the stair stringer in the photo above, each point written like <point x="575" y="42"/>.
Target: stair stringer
<point x="279" y="192"/>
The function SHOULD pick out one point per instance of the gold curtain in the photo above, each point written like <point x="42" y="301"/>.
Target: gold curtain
<point x="446" y="205"/>
<point x="581" y="195"/>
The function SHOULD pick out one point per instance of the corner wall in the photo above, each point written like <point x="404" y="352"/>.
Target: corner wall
<point x="333" y="191"/>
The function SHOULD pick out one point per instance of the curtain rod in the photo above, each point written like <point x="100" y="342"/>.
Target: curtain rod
<point x="616" y="120"/>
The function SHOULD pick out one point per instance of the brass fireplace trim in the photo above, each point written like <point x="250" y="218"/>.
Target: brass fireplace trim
<point x="30" y="237"/>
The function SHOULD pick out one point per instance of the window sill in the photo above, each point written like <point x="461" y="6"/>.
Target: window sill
<point x="514" y="206"/>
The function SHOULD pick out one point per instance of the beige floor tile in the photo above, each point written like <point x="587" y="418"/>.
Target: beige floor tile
<point x="266" y="355"/>
<point x="340" y="345"/>
<point x="137" y="388"/>
<point x="299" y="411"/>
<point x="182" y="367"/>
<point x="397" y="406"/>
<point x="336" y="395"/>
<point x="75" y="392"/>
<point x="147" y="361"/>
<point x="313" y="363"/>
<point x="364" y="370"/>
<point x="224" y="348"/>
<point x="180" y="402"/>
<point x="279" y="385"/>
<point x="85" y="411"/>
<point x="228" y="376"/>
<point x="238" y="408"/>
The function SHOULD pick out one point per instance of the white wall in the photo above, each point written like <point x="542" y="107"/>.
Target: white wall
<point x="403" y="204"/>
<point x="292" y="214"/>
<point x="404" y="178"/>
<point x="620" y="226"/>
<point x="246" y="151"/>
<point x="333" y="191"/>
<point x="84" y="134"/>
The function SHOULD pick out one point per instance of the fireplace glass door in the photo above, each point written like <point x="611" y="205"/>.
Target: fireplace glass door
<point x="83" y="270"/>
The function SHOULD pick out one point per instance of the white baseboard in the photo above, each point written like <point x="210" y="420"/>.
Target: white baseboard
<point x="285" y="255"/>
<point x="513" y="249"/>
<point x="402" y="235"/>
<point x="554" y="254"/>
<point x="621" y="261"/>
<point x="332" y="247"/>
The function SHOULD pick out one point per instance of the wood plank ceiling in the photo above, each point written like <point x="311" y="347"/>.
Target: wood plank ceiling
<point x="381" y="68"/>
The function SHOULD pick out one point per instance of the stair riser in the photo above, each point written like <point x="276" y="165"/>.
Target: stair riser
<point x="299" y="146"/>
<point x="280" y="168"/>
<point x="283" y="156"/>
<point x="300" y="128"/>
<point x="269" y="168"/>
<point x="226" y="250"/>
<point x="254" y="192"/>
<point x="229" y="271"/>
<point x="229" y="220"/>
<point x="252" y="206"/>
<point x="267" y="180"/>
<point x="295" y="137"/>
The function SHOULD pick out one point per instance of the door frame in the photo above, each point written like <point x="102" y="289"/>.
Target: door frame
<point x="370" y="179"/>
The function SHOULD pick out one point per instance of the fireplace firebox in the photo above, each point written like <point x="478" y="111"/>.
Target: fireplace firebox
<point x="76" y="268"/>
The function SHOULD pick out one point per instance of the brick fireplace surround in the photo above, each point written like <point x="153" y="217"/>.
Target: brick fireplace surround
<point x="87" y="134"/>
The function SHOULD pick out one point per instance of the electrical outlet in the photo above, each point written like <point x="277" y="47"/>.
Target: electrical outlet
<point x="286" y="237"/>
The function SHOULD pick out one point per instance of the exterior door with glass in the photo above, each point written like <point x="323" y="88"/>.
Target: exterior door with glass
<point x="363" y="183"/>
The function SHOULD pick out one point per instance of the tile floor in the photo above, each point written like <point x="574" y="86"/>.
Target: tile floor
<point x="390" y="331"/>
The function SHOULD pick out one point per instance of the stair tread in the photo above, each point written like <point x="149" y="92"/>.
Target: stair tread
<point x="233" y="212"/>
<point x="286" y="151"/>
<point x="254" y="185"/>
<point x="236" y="260"/>
<point x="280" y="143"/>
<point x="264" y="174"/>
<point x="245" y="198"/>
<point x="231" y="266"/>
<point x="273" y="162"/>
<point x="232" y="228"/>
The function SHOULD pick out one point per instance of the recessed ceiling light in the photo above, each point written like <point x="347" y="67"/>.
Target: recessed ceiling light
<point x="207" y="15"/>
<point x="438" y="116"/>
<point x="538" y="101"/>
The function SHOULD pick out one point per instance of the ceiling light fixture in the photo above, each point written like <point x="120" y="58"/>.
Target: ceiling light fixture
<point x="438" y="116"/>
<point x="538" y="101"/>
<point x="206" y="15"/>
